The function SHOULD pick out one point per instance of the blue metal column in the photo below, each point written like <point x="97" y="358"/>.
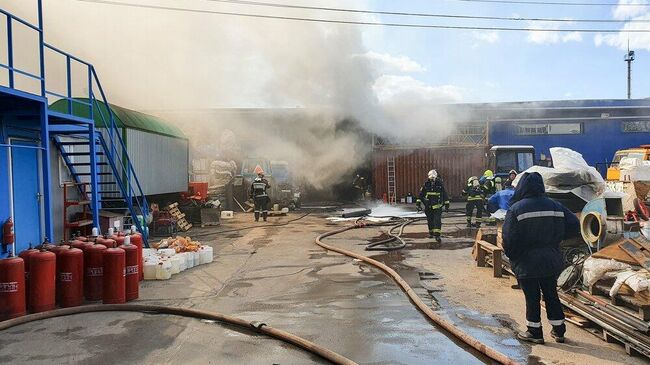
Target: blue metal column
<point x="45" y="134"/>
<point x="92" y="144"/>
<point x="47" y="189"/>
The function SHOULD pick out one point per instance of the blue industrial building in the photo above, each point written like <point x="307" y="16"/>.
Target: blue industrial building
<point x="595" y="128"/>
<point x="33" y="136"/>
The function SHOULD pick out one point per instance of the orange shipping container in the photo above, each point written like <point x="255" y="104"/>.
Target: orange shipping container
<point x="454" y="164"/>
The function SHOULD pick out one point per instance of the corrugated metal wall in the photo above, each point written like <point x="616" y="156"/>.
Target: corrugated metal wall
<point x="161" y="163"/>
<point x="454" y="165"/>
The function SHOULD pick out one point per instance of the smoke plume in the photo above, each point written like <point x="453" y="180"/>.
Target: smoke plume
<point x="303" y="78"/>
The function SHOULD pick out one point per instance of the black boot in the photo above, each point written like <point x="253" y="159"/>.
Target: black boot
<point x="558" y="333"/>
<point x="533" y="335"/>
<point x="469" y="224"/>
<point x="257" y="216"/>
<point x="430" y="234"/>
<point x="438" y="238"/>
<point x="264" y="215"/>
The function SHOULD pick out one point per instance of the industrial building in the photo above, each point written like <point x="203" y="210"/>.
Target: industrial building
<point x="67" y="155"/>
<point x="594" y="128"/>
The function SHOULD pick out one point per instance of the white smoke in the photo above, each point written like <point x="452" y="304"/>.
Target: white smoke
<point x="166" y="61"/>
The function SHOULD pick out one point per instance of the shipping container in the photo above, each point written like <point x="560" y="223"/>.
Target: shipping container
<point x="454" y="164"/>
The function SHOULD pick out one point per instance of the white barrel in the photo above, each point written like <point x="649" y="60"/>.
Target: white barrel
<point x="164" y="270"/>
<point x="149" y="269"/>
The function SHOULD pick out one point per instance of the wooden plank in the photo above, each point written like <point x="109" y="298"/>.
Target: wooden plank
<point x="497" y="263"/>
<point x="635" y="252"/>
<point x="480" y="256"/>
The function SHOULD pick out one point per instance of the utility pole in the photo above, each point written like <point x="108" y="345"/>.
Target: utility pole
<point x="629" y="57"/>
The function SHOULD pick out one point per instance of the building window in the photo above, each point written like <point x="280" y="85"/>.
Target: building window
<point x="636" y="127"/>
<point x="538" y="129"/>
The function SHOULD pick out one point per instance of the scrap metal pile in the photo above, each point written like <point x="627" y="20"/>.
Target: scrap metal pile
<point x="605" y="286"/>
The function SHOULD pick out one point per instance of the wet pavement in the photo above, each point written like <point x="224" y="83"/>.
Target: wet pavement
<point x="277" y="275"/>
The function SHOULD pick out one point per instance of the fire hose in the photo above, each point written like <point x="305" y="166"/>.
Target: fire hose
<point x="256" y="327"/>
<point x="421" y="306"/>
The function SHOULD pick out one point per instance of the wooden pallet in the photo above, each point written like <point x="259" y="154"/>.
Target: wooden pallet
<point x="181" y="222"/>
<point x="637" y="307"/>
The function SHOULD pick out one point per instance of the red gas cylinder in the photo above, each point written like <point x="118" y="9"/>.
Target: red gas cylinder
<point x="25" y="256"/>
<point x="132" y="277"/>
<point x="57" y="251"/>
<point x="136" y="240"/>
<point x="12" y="288"/>
<point x="114" y="276"/>
<point x="70" y="269"/>
<point x="93" y="271"/>
<point x="108" y="242"/>
<point x="42" y="281"/>
<point x="79" y="244"/>
<point x="119" y="240"/>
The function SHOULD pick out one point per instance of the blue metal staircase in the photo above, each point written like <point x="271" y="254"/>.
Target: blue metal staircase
<point x="97" y="158"/>
<point x="95" y="155"/>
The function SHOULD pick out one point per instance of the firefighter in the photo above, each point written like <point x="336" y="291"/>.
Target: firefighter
<point x="475" y="199"/>
<point x="259" y="195"/>
<point x="434" y="197"/>
<point x="512" y="175"/>
<point x="487" y="183"/>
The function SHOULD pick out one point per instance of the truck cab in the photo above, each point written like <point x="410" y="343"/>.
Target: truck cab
<point x="642" y="153"/>
<point x="502" y="159"/>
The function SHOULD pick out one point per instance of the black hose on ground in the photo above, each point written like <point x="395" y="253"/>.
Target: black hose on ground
<point x="256" y="327"/>
<point x="415" y="299"/>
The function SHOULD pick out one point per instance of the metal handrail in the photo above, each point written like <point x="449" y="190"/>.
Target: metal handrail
<point x="20" y="20"/>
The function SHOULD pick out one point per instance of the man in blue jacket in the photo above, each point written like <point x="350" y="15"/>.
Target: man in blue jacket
<point x="534" y="227"/>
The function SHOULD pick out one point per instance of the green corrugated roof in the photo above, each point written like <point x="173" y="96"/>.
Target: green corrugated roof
<point x="124" y="118"/>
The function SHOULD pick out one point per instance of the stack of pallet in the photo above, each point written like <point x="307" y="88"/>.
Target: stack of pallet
<point x="182" y="223"/>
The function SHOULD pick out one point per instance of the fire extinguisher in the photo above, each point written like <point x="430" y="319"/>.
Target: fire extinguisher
<point x="7" y="234"/>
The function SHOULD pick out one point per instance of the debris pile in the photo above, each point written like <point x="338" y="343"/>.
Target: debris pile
<point x="173" y="255"/>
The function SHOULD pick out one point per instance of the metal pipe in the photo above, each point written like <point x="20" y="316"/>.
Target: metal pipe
<point x="615" y="312"/>
<point x="256" y="327"/>
<point x="433" y="316"/>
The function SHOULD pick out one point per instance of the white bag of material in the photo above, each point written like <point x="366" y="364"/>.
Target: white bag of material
<point x="634" y="169"/>
<point x="595" y="269"/>
<point x="637" y="280"/>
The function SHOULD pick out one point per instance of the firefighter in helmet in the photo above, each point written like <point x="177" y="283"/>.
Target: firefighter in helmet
<point x="259" y="195"/>
<point x="434" y="197"/>
<point x="475" y="200"/>
<point x="487" y="183"/>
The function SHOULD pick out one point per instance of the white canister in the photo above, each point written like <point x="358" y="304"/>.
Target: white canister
<point x="176" y="264"/>
<point x="183" y="263"/>
<point x="164" y="270"/>
<point x="197" y="258"/>
<point x="206" y="254"/>
<point x="189" y="257"/>
<point x="149" y="269"/>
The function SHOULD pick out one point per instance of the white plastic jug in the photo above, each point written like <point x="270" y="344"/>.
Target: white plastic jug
<point x="176" y="265"/>
<point x="183" y="261"/>
<point x="189" y="257"/>
<point x="206" y="254"/>
<point x="164" y="270"/>
<point x="149" y="269"/>
<point x="197" y="258"/>
<point x="169" y="252"/>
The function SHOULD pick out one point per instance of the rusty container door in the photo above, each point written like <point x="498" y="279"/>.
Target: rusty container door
<point x="454" y="165"/>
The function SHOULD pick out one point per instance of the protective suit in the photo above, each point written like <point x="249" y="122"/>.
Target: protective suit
<point x="259" y="194"/>
<point x="475" y="200"/>
<point x="434" y="197"/>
